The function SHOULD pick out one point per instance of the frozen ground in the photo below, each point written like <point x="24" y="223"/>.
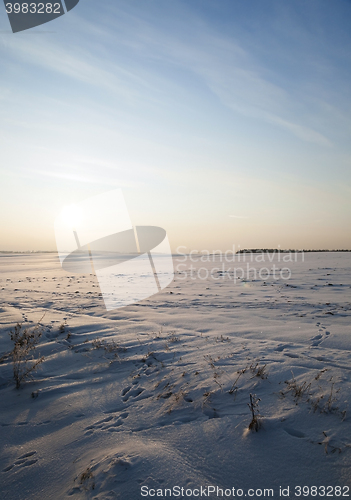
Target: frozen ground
<point x="156" y="395"/>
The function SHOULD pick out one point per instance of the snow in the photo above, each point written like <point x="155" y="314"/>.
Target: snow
<point x="156" y="394"/>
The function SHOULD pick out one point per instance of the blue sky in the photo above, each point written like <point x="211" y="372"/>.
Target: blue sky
<point x="225" y="122"/>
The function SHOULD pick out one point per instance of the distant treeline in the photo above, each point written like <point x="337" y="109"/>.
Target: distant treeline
<point x="29" y="251"/>
<point x="245" y="250"/>
<point x="277" y="250"/>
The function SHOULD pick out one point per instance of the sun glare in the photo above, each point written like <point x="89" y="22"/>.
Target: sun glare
<point x="71" y="216"/>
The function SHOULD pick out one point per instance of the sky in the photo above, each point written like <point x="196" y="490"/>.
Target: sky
<point x="227" y="123"/>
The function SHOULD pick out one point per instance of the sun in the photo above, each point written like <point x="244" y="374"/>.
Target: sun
<point x="71" y="216"/>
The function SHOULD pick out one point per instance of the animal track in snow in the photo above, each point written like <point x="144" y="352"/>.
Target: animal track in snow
<point x="128" y="392"/>
<point x="295" y="433"/>
<point x="323" y="333"/>
<point x="281" y="347"/>
<point x="22" y="461"/>
<point x="109" y="424"/>
<point x="291" y="355"/>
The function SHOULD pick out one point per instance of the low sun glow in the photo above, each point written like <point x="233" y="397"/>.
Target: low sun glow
<point x="71" y="216"/>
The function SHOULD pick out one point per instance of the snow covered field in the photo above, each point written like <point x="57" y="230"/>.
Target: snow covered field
<point x="155" y="395"/>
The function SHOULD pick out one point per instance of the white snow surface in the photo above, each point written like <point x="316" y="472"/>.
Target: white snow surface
<point x="156" y="394"/>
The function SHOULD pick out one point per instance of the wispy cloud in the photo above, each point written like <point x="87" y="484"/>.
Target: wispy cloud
<point x="241" y="80"/>
<point x="146" y="58"/>
<point x="238" y="81"/>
